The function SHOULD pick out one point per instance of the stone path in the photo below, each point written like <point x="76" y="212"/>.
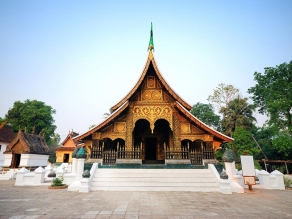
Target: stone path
<point x="40" y="202"/>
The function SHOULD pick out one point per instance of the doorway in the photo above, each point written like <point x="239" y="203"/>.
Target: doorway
<point x="66" y="158"/>
<point x="150" y="148"/>
<point x="15" y="160"/>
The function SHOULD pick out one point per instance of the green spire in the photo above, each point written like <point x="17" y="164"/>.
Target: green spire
<point x="151" y="43"/>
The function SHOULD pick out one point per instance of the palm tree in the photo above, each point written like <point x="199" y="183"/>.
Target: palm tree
<point x="239" y="114"/>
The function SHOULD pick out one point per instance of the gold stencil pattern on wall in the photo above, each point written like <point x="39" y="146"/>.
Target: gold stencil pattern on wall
<point x="185" y="127"/>
<point x="151" y="82"/>
<point x="152" y="114"/>
<point x="120" y="127"/>
<point x="153" y="95"/>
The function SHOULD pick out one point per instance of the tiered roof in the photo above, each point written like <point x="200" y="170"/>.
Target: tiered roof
<point x="181" y="104"/>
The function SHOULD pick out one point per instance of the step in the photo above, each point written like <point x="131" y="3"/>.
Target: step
<point x="157" y="188"/>
<point x="152" y="179"/>
<point x="124" y="170"/>
<point x="154" y="184"/>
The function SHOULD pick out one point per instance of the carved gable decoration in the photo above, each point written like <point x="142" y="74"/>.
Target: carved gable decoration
<point x="152" y="114"/>
<point x="151" y="95"/>
<point x="150" y="82"/>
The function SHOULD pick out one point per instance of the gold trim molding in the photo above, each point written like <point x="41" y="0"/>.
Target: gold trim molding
<point x="204" y="137"/>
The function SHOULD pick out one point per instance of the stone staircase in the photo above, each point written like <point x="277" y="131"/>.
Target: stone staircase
<point x="7" y="175"/>
<point x="200" y="180"/>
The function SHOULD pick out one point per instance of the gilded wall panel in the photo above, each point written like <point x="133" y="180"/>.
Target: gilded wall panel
<point x="152" y="114"/>
<point x="176" y="131"/>
<point x="120" y="127"/>
<point x="185" y="127"/>
<point x="151" y="95"/>
<point x="193" y="137"/>
<point x="150" y="82"/>
<point x="129" y="130"/>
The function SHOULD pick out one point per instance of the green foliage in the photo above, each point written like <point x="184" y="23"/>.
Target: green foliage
<point x="222" y="95"/>
<point x="33" y="116"/>
<point x="86" y="174"/>
<point x="282" y="143"/>
<point x="206" y="114"/>
<point x="219" y="155"/>
<point x="239" y="113"/>
<point x="228" y="155"/>
<point x="58" y="181"/>
<point x="243" y="141"/>
<point x="287" y="182"/>
<point x="91" y="126"/>
<point x="276" y="144"/>
<point x="223" y="175"/>
<point x="53" y="143"/>
<point x="257" y="165"/>
<point x="273" y="95"/>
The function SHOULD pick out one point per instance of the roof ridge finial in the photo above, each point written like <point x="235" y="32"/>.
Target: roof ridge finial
<point x="151" y="43"/>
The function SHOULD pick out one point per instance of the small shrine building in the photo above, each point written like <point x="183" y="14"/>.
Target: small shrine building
<point x="64" y="153"/>
<point x="26" y="150"/>
<point x="152" y="124"/>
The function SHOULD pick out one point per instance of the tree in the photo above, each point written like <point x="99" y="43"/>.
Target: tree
<point x="243" y="141"/>
<point x="276" y="144"/>
<point x="273" y="95"/>
<point x="53" y="143"/>
<point x="239" y="113"/>
<point x="206" y="114"/>
<point x="91" y="126"/>
<point x="222" y="95"/>
<point x="33" y="116"/>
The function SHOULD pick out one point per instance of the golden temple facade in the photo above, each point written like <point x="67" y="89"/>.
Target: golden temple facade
<point x="152" y="123"/>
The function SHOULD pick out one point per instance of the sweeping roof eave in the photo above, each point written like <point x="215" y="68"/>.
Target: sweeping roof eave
<point x="202" y="124"/>
<point x="151" y="58"/>
<point x="103" y="123"/>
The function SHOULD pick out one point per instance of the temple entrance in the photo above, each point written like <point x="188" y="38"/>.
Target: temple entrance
<point x="150" y="148"/>
<point x="15" y="160"/>
<point x="66" y="158"/>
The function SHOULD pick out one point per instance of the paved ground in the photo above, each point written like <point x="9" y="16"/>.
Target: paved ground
<point x="40" y="202"/>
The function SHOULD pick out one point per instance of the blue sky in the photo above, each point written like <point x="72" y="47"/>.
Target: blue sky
<point x="82" y="57"/>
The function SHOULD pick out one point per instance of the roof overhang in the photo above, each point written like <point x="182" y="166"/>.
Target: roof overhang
<point x="104" y="123"/>
<point x="202" y="124"/>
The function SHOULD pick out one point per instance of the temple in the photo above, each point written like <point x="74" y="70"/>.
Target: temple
<point x="152" y="124"/>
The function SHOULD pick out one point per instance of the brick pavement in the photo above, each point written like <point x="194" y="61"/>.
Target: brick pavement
<point x="40" y="202"/>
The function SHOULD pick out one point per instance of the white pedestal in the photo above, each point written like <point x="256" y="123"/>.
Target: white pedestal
<point x="84" y="187"/>
<point x="39" y="175"/>
<point x="20" y="176"/>
<point x="74" y="165"/>
<point x="76" y="184"/>
<point x="235" y="187"/>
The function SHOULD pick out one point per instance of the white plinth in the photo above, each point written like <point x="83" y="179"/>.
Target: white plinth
<point x="235" y="187"/>
<point x="74" y="165"/>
